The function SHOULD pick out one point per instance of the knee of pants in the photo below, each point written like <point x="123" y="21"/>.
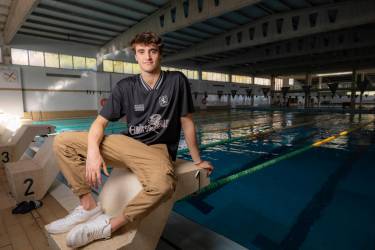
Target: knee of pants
<point x="61" y="140"/>
<point x="162" y="188"/>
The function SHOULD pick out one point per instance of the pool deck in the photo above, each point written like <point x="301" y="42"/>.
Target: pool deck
<point x="26" y="231"/>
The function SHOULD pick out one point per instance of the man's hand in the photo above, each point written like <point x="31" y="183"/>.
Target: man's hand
<point x="206" y="165"/>
<point x="94" y="163"/>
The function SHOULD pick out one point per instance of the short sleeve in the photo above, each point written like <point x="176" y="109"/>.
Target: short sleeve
<point x="187" y="105"/>
<point x="114" y="108"/>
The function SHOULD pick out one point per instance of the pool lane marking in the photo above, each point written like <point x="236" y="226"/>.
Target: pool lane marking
<point x="343" y="133"/>
<point x="260" y="166"/>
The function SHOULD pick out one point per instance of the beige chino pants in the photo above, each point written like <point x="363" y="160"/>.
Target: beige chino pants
<point x="151" y="164"/>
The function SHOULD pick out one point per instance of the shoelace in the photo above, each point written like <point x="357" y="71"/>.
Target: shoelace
<point x="97" y="231"/>
<point x="77" y="211"/>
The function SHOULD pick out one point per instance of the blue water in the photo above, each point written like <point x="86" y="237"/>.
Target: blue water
<point x="323" y="198"/>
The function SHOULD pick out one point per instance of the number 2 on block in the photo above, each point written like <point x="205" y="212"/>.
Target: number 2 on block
<point x="31" y="182"/>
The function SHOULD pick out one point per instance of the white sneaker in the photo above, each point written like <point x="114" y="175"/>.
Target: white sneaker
<point x="82" y="234"/>
<point x="77" y="216"/>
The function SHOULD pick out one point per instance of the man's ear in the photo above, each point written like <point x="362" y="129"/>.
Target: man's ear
<point x="135" y="57"/>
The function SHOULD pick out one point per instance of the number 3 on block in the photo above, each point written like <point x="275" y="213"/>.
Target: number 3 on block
<point x="5" y="157"/>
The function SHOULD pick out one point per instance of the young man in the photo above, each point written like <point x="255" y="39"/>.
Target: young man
<point x="156" y="105"/>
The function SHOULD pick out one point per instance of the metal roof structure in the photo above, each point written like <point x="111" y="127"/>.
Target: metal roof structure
<point x="240" y="36"/>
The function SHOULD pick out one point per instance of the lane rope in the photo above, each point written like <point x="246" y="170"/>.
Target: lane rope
<point x="218" y="183"/>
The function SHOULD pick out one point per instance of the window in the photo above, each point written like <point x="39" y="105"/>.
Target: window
<point x="241" y="79"/>
<point x="262" y="81"/>
<point x="79" y="62"/>
<point x="51" y="60"/>
<point x="66" y="61"/>
<point x="196" y="75"/>
<point x="291" y="81"/>
<point x="107" y="65"/>
<point x="136" y="69"/>
<point x="91" y="63"/>
<point x="20" y="56"/>
<point x="36" y="58"/>
<point x="128" y="68"/>
<point x="204" y="75"/>
<point x="118" y="67"/>
<point x="278" y="83"/>
<point x="192" y="74"/>
<point x="212" y="76"/>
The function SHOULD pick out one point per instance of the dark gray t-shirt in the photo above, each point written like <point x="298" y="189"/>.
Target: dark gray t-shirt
<point x="153" y="115"/>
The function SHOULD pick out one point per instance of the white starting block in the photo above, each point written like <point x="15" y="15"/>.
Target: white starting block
<point x="14" y="144"/>
<point x="119" y="189"/>
<point x="30" y="179"/>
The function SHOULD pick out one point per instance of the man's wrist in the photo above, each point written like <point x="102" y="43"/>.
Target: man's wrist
<point x="197" y="162"/>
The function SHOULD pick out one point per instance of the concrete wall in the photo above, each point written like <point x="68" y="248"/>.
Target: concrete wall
<point x="39" y="89"/>
<point x="11" y="100"/>
<point x="64" y="90"/>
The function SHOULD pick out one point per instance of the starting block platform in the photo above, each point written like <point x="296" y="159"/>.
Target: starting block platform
<point x="13" y="144"/>
<point x="30" y="179"/>
<point x="124" y="184"/>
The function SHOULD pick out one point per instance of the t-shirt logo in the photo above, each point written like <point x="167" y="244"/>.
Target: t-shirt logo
<point x="139" y="107"/>
<point x="163" y="101"/>
<point x="154" y="123"/>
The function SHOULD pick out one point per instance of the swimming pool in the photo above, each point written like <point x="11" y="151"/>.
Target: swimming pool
<point x="318" y="198"/>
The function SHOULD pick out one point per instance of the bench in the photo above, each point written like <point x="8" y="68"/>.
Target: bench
<point x="120" y="187"/>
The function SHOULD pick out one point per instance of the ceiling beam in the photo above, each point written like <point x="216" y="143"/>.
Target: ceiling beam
<point x="319" y="43"/>
<point x="239" y="12"/>
<point x="62" y="30"/>
<point x="346" y="60"/>
<point x="110" y="8"/>
<point x="78" y="9"/>
<point x="68" y="16"/>
<point x="263" y="7"/>
<point x="18" y="13"/>
<point x="36" y="18"/>
<point x="64" y="37"/>
<point x="286" y="5"/>
<point x="162" y="21"/>
<point x="264" y="30"/>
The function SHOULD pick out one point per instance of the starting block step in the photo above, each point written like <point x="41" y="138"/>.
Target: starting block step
<point x="30" y="179"/>
<point x="120" y="187"/>
<point x="14" y="144"/>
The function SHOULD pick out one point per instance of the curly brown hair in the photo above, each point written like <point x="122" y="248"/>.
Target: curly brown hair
<point x="147" y="38"/>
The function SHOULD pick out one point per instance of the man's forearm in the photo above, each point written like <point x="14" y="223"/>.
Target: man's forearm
<point x="191" y="141"/>
<point x="95" y="137"/>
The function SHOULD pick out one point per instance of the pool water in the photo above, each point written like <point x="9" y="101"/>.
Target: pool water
<point x="321" y="198"/>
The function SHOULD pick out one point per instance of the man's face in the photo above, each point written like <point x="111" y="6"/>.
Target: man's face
<point x="148" y="57"/>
